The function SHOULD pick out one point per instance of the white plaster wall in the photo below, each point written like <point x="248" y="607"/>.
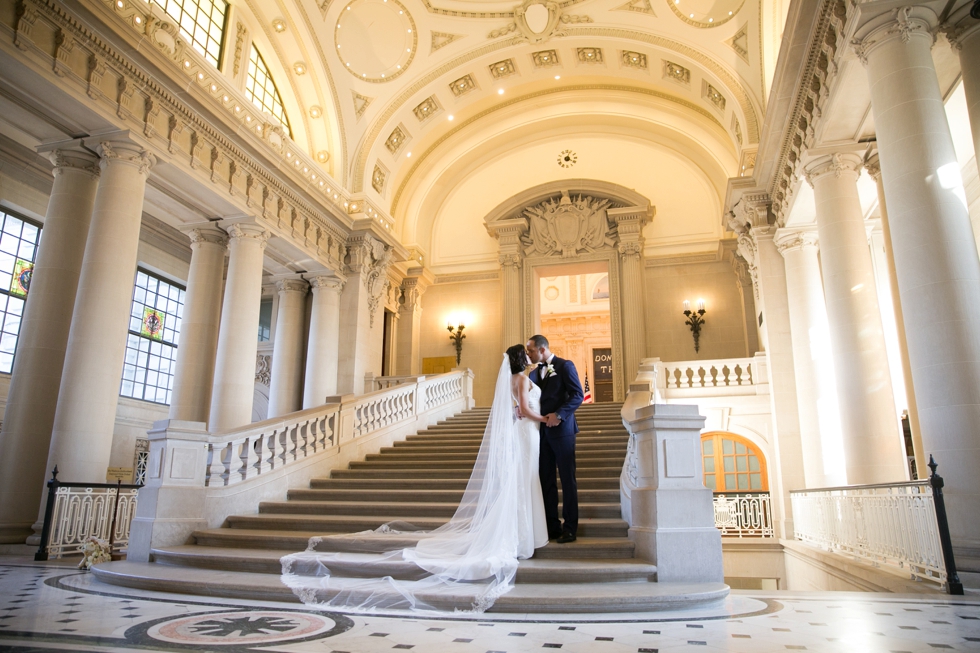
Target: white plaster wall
<point x="668" y="338"/>
<point x="482" y="349"/>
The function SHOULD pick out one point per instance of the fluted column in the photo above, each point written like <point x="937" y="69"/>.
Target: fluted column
<point x="285" y="391"/>
<point x="966" y="42"/>
<point x="869" y="421"/>
<point x="508" y="234"/>
<point x="81" y="438"/>
<point x="935" y="253"/>
<point x="408" y="360"/>
<point x="234" y="368"/>
<point x="36" y="376"/>
<point x="194" y="367"/>
<point x="323" y="349"/>
<point x="816" y="392"/>
<point x="921" y="460"/>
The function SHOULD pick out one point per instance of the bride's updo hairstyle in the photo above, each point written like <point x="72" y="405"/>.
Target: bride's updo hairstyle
<point x="518" y="358"/>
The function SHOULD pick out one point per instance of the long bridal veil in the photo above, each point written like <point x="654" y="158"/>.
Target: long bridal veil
<point x="464" y="564"/>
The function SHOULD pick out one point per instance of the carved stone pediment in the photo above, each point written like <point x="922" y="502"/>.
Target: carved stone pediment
<point x="568" y="226"/>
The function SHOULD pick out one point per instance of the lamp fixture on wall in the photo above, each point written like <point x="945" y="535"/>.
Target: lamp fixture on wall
<point x="456" y="337"/>
<point x="695" y="321"/>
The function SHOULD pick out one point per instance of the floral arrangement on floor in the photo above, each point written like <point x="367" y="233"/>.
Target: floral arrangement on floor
<point x="94" y="551"/>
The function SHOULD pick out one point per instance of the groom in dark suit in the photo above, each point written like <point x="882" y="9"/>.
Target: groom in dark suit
<point x="561" y="395"/>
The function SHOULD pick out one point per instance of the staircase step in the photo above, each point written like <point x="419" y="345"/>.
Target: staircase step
<point x="391" y="462"/>
<point x="423" y="495"/>
<point x="393" y="510"/>
<point x="413" y="471"/>
<point x="291" y="541"/>
<point x="589" y="527"/>
<point x="526" y="597"/>
<point x="425" y="482"/>
<point x="581" y="448"/>
<point x="547" y="570"/>
<point x="470" y="456"/>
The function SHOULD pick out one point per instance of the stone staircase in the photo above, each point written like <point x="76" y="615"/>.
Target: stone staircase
<point x="421" y="480"/>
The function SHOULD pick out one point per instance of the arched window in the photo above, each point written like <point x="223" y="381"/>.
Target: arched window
<point x="202" y="23"/>
<point x="262" y="90"/>
<point x="732" y="463"/>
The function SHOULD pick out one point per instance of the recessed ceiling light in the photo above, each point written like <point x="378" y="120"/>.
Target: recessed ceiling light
<point x="450" y="117"/>
<point x="557" y="76"/>
<point x="500" y="91"/>
<point x="408" y="154"/>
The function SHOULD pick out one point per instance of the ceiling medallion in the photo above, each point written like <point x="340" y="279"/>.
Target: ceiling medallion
<point x="567" y="158"/>
<point x="700" y="14"/>
<point x="375" y="40"/>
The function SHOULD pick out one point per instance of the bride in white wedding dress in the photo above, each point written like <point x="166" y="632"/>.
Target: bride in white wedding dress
<point x="469" y="561"/>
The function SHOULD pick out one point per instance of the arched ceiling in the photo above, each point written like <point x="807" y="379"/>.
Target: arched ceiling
<point x="421" y="93"/>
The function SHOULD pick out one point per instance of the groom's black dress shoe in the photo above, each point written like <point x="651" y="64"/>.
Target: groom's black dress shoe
<point x="566" y="537"/>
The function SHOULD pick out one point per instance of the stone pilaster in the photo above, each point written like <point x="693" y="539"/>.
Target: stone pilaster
<point x="966" y="43"/>
<point x="44" y="330"/>
<point x="194" y="367"/>
<point x="285" y="391"/>
<point x="935" y="253"/>
<point x="408" y="359"/>
<point x="869" y="420"/>
<point x="81" y="437"/>
<point x="630" y="223"/>
<point x="816" y="390"/>
<point x="234" y="368"/>
<point x="362" y="311"/>
<point x="323" y="349"/>
<point x="508" y="234"/>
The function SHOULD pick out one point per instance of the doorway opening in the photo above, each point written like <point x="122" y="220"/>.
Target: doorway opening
<point x="572" y="312"/>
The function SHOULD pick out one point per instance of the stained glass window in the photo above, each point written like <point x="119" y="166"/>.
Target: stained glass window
<point x="732" y="464"/>
<point x="154" y="332"/>
<point x="201" y="22"/>
<point x="19" y="239"/>
<point x="262" y="90"/>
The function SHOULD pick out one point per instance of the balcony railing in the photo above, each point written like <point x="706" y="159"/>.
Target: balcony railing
<point x="897" y="525"/>
<point x="721" y="373"/>
<point x="744" y="515"/>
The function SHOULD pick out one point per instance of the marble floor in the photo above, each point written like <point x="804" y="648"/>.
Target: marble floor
<point x="55" y="607"/>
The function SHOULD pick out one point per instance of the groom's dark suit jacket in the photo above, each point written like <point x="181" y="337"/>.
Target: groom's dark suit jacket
<point x="561" y="394"/>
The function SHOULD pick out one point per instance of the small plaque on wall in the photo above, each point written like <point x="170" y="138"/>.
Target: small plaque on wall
<point x="114" y="474"/>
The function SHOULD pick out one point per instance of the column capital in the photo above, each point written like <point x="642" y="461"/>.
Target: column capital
<point x="126" y="153"/>
<point x="208" y="235"/>
<point x="961" y="32"/>
<point x="873" y="166"/>
<point x="791" y="240"/>
<point x="292" y="284"/>
<point x="904" y="23"/>
<point x="246" y="230"/>
<point x="328" y="281"/>
<point x="511" y="260"/>
<point x="837" y="164"/>
<point x="74" y="159"/>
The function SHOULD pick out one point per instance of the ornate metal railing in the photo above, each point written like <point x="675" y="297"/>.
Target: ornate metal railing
<point x="744" y="515"/>
<point x="76" y="512"/>
<point x="901" y="525"/>
<point x="245" y="453"/>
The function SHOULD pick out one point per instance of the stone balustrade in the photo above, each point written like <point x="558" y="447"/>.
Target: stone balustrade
<point x="195" y="479"/>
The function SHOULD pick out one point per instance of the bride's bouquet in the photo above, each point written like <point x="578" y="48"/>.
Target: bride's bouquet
<point x="94" y="551"/>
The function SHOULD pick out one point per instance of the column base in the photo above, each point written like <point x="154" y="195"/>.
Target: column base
<point x="15" y="533"/>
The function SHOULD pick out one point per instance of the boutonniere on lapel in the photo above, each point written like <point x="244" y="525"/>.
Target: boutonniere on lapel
<point x="548" y="372"/>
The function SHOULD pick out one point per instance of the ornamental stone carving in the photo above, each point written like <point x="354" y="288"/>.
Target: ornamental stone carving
<point x="790" y="241"/>
<point x="371" y="259"/>
<point x="567" y="226"/>
<point x="212" y="236"/>
<point x="62" y="159"/>
<point x="292" y="285"/>
<point x="263" y="369"/>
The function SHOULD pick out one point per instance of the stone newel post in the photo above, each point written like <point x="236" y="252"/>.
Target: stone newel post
<point x="672" y="521"/>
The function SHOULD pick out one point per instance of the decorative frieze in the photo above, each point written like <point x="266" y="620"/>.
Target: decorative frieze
<point x="426" y="108"/>
<point x="712" y="95"/>
<point x="545" y="58"/>
<point x="567" y="226"/>
<point x="676" y="72"/>
<point x="589" y="55"/>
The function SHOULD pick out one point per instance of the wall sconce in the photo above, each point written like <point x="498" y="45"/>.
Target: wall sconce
<point x="456" y="337"/>
<point x="695" y="321"/>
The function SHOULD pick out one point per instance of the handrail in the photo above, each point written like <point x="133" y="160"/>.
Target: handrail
<point x="244" y="453"/>
<point x="714" y="373"/>
<point x="896" y="524"/>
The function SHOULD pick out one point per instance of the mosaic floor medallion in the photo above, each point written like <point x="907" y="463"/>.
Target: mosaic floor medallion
<point x="241" y="628"/>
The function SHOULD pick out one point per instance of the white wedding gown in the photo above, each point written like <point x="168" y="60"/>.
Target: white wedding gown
<point x="463" y="565"/>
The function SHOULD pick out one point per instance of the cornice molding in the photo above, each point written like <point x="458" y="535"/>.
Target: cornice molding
<point x="158" y="234"/>
<point x="467" y="277"/>
<point x="225" y="167"/>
